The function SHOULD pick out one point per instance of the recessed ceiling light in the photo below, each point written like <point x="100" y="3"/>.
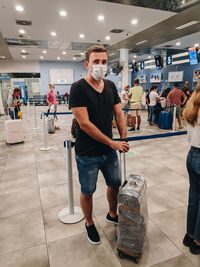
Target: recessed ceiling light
<point x="64" y="53"/>
<point x="81" y="35"/>
<point x="58" y="58"/>
<point x="196" y="45"/>
<point x="19" y="8"/>
<point x="82" y="53"/>
<point x="100" y="17"/>
<point x="41" y="57"/>
<point x="2" y="57"/>
<point x="63" y="13"/>
<point x="44" y="51"/>
<point x="107" y="38"/>
<point x="53" y="33"/>
<point x="24" y="56"/>
<point x="23" y="51"/>
<point x="134" y="56"/>
<point x="178" y="43"/>
<point x="22" y="31"/>
<point x="134" y="21"/>
<point x="74" y="58"/>
<point x="149" y="56"/>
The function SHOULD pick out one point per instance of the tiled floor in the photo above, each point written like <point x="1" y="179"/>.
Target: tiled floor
<point x="33" y="190"/>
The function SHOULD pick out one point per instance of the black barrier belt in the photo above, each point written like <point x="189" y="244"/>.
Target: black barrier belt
<point x="54" y="113"/>
<point x="145" y="137"/>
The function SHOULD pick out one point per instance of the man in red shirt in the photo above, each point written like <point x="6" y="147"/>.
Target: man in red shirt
<point x="175" y="98"/>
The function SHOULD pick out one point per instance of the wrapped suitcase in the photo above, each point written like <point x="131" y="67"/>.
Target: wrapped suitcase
<point x="50" y="125"/>
<point x="14" y="132"/>
<point x="133" y="217"/>
<point x="165" y="120"/>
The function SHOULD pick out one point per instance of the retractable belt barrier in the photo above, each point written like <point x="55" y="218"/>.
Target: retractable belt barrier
<point x="71" y="214"/>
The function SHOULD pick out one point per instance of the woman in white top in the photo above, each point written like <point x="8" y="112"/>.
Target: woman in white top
<point x="153" y="96"/>
<point x="192" y="117"/>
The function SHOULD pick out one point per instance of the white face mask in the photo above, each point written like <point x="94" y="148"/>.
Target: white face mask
<point x="98" y="71"/>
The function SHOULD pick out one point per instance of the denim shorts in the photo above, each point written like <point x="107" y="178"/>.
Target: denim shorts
<point x="88" y="168"/>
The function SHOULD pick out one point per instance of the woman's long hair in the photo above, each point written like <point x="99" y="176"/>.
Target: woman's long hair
<point x="16" y="90"/>
<point x="192" y="110"/>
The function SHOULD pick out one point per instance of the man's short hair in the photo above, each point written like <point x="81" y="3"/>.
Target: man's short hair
<point x="136" y="81"/>
<point x="175" y="84"/>
<point x="95" y="48"/>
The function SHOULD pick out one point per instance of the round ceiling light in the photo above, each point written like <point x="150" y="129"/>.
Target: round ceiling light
<point x="19" y="8"/>
<point x="63" y="13"/>
<point x="134" y="21"/>
<point x="100" y="17"/>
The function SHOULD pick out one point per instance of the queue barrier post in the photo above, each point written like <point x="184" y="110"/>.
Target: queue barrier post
<point x="70" y="214"/>
<point x="35" y="118"/>
<point x="44" y="132"/>
<point x="28" y="111"/>
<point x="123" y="177"/>
<point x="174" y="119"/>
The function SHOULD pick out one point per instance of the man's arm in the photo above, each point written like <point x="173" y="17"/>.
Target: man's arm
<point x="168" y="100"/>
<point x="81" y="114"/>
<point x="121" y="122"/>
<point x="185" y="99"/>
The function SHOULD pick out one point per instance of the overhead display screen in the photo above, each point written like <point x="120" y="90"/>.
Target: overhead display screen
<point x="192" y="51"/>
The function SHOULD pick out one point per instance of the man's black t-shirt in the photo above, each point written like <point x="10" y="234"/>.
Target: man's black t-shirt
<point x="100" y="111"/>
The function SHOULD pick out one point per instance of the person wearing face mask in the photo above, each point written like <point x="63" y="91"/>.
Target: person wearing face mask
<point x="14" y="104"/>
<point x="93" y="101"/>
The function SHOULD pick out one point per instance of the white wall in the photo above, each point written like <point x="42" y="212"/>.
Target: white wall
<point x="8" y="66"/>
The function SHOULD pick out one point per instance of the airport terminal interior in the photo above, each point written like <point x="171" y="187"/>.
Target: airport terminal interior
<point x="44" y="42"/>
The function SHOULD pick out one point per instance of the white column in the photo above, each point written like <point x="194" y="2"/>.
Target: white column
<point x="124" y="63"/>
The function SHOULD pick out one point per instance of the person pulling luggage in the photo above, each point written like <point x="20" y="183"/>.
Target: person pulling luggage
<point x="93" y="100"/>
<point x="14" y="104"/>
<point x="51" y="100"/>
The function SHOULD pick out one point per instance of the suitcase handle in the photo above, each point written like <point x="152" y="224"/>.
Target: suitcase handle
<point x="123" y="177"/>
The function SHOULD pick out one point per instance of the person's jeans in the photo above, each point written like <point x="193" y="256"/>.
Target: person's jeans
<point x="193" y="215"/>
<point x="152" y="115"/>
<point x="12" y="115"/>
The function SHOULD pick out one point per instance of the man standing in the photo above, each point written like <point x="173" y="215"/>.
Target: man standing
<point x="136" y="100"/>
<point x="186" y="91"/>
<point x="175" y="98"/>
<point x="93" y="101"/>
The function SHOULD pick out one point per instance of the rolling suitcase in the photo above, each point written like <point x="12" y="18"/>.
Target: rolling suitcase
<point x="14" y="132"/>
<point x="50" y="125"/>
<point x="133" y="217"/>
<point x="165" y="120"/>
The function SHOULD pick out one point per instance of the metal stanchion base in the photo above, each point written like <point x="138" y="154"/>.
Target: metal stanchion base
<point x="65" y="217"/>
<point x="36" y="128"/>
<point x="46" y="148"/>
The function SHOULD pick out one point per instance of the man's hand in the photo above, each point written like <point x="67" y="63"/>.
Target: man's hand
<point x="120" y="146"/>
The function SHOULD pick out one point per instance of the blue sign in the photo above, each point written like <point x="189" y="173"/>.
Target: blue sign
<point x="4" y="77"/>
<point x="142" y="65"/>
<point x="168" y="60"/>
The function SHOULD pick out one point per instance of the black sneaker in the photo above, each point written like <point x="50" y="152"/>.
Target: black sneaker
<point x="110" y="219"/>
<point x="195" y="249"/>
<point x="92" y="234"/>
<point x="131" y="130"/>
<point x="187" y="241"/>
<point x="138" y="128"/>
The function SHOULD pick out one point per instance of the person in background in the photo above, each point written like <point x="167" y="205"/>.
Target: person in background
<point x="163" y="98"/>
<point x="191" y="114"/>
<point x="66" y="95"/>
<point x="51" y="100"/>
<point x="58" y="97"/>
<point x="147" y="99"/>
<point x="187" y="92"/>
<point x="125" y="101"/>
<point x="175" y="98"/>
<point x="14" y="104"/>
<point x="136" y="99"/>
<point x="153" y="96"/>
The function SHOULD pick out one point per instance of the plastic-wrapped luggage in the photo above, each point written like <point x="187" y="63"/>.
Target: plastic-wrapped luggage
<point x="14" y="132"/>
<point x="50" y="125"/>
<point x="133" y="217"/>
<point x="165" y="120"/>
